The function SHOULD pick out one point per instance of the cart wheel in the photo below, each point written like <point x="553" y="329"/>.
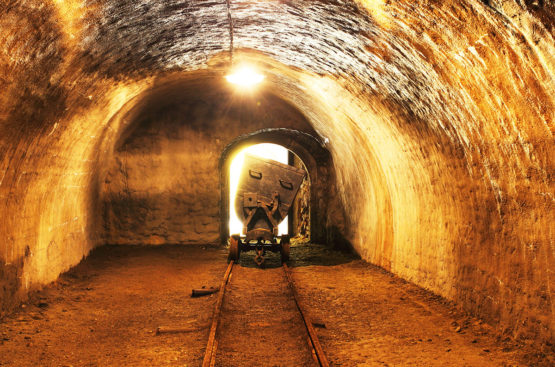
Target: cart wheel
<point x="285" y="249"/>
<point x="234" y="250"/>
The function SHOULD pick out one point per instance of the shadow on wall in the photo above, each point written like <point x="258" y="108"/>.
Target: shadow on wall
<point x="338" y="241"/>
<point x="10" y="284"/>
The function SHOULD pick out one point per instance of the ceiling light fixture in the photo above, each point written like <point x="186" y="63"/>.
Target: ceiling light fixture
<point x="230" y="23"/>
<point x="245" y="76"/>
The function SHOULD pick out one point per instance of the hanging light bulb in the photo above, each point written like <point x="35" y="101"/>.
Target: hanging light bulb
<point x="245" y="76"/>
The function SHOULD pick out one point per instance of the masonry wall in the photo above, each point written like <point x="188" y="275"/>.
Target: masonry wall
<point x="163" y="184"/>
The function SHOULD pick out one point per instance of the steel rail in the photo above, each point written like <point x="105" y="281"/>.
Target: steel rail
<point x="313" y="338"/>
<point x="210" y="353"/>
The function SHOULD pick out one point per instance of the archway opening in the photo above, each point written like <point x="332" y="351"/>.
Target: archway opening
<point x="322" y="211"/>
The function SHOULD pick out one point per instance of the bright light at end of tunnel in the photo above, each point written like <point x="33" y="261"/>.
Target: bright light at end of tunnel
<point x="266" y="150"/>
<point x="245" y="76"/>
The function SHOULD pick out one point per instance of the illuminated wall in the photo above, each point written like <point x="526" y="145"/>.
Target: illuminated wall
<point x="438" y="116"/>
<point x="162" y="185"/>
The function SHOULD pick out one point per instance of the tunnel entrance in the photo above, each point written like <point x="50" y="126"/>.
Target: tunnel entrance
<point x="297" y="222"/>
<point x="309" y="215"/>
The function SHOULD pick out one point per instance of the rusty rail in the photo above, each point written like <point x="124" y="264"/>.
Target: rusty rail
<point x="210" y="354"/>
<point x="313" y="338"/>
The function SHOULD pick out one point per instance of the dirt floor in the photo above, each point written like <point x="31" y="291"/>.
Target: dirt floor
<point x="105" y="312"/>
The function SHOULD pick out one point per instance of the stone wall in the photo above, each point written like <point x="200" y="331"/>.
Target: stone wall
<point x="299" y="222"/>
<point x="163" y="185"/>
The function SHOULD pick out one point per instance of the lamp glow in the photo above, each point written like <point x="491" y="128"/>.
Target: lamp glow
<point x="245" y="77"/>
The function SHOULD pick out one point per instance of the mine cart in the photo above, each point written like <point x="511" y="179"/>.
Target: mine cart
<point x="265" y="194"/>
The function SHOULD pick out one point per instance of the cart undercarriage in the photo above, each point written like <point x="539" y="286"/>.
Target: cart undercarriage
<point x="265" y="194"/>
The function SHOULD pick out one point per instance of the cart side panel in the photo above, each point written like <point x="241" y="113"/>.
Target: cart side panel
<point x="263" y="177"/>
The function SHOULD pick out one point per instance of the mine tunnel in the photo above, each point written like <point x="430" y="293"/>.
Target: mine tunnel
<point x="426" y="132"/>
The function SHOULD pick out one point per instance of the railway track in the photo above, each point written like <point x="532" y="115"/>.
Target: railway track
<point x="212" y="344"/>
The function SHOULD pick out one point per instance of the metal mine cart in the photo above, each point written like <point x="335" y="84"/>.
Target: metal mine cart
<point x="265" y="193"/>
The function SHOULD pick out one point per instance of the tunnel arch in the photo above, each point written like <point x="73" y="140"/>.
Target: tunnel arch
<point x="446" y="108"/>
<point x="312" y="153"/>
<point x="305" y="143"/>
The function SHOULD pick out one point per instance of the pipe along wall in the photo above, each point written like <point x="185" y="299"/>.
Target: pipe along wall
<point x="438" y="116"/>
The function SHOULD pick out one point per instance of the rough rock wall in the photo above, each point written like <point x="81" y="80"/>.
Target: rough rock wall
<point x="299" y="223"/>
<point x="48" y="147"/>
<point x="163" y="185"/>
<point x="438" y="114"/>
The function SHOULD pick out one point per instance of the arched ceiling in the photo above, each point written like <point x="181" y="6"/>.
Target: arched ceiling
<point x="439" y="117"/>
